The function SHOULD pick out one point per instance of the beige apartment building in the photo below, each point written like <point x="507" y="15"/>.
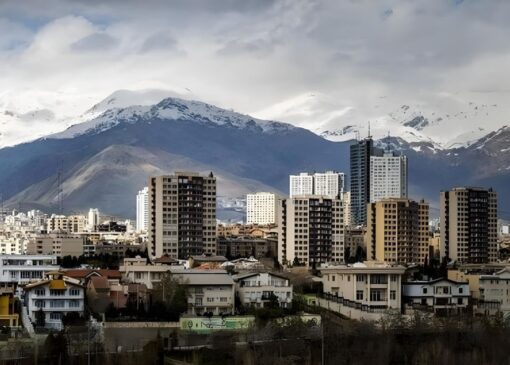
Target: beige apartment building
<point x="58" y="244"/>
<point x="398" y="231"/>
<point x="182" y="215"/>
<point x="311" y="230"/>
<point x="469" y="218"/>
<point x="69" y="224"/>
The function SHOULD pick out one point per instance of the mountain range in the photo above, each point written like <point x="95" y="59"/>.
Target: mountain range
<point x="106" y="156"/>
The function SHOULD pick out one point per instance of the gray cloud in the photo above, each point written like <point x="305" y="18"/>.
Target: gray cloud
<point x="249" y="55"/>
<point x="95" y="42"/>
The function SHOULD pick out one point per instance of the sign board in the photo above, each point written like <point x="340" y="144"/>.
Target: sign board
<point x="204" y="324"/>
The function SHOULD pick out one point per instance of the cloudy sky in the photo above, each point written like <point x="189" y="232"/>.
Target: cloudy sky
<point x="323" y="58"/>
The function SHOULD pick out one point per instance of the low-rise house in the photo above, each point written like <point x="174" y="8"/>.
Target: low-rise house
<point x="137" y="270"/>
<point x="209" y="291"/>
<point x="259" y="289"/>
<point x="494" y="293"/>
<point x="55" y="296"/>
<point x="58" y="244"/>
<point x="84" y="275"/>
<point x="369" y="286"/>
<point x="441" y="296"/>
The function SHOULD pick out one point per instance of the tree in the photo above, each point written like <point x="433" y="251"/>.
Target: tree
<point x="169" y="297"/>
<point x="40" y="318"/>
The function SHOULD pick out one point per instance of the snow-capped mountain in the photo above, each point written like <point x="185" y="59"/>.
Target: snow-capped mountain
<point x="169" y="109"/>
<point x="445" y="121"/>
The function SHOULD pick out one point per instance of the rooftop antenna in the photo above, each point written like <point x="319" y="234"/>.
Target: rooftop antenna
<point x="388" y="146"/>
<point x="369" y="136"/>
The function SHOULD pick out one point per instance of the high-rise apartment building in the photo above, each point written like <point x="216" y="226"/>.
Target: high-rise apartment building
<point x="261" y="208"/>
<point x="469" y="225"/>
<point x="142" y="210"/>
<point x="329" y="184"/>
<point x="93" y="219"/>
<point x="398" y="231"/>
<point x="301" y="184"/>
<point x="360" y="153"/>
<point x="182" y="215"/>
<point x="388" y="176"/>
<point x="311" y="230"/>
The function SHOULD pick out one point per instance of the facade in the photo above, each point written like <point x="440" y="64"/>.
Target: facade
<point x="55" y="296"/>
<point x="209" y="291"/>
<point x="469" y="225"/>
<point x="142" y="210"/>
<point x="245" y="246"/>
<point x="314" y="231"/>
<point x="69" y="224"/>
<point x="388" y="177"/>
<point x="182" y="215"/>
<point x="360" y="153"/>
<point x="301" y="184"/>
<point x="346" y="198"/>
<point x="58" y="244"/>
<point x="258" y="289"/>
<point x="261" y="208"/>
<point x="366" y="286"/>
<point x="21" y="269"/>
<point x="441" y="296"/>
<point x="398" y="231"/>
<point x="354" y="243"/>
<point x="494" y="293"/>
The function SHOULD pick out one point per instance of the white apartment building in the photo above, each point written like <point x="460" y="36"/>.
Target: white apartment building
<point x="256" y="289"/>
<point x="301" y="184"/>
<point x="329" y="184"/>
<point x="55" y="296"/>
<point x="441" y="296"/>
<point x="388" y="177"/>
<point x="93" y="219"/>
<point x="13" y="243"/>
<point x="346" y="198"/>
<point x="261" y="208"/>
<point x="22" y="269"/>
<point x="365" y="286"/>
<point x="311" y="230"/>
<point x="142" y="210"/>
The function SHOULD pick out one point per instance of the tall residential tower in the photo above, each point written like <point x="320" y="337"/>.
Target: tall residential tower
<point x="182" y="215"/>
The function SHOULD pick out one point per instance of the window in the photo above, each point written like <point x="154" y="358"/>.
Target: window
<point x="210" y="300"/>
<point x="359" y="294"/>
<point x="375" y="295"/>
<point x="223" y="299"/>
<point x="332" y="277"/>
<point x="461" y="290"/>
<point x="378" y="279"/>
<point x="393" y="295"/>
<point x="424" y="290"/>
<point x="40" y="292"/>
<point x="460" y="301"/>
<point x="55" y="316"/>
<point x="56" y="293"/>
<point x="74" y="292"/>
<point x="39" y="303"/>
<point x="74" y="303"/>
<point x="360" y="277"/>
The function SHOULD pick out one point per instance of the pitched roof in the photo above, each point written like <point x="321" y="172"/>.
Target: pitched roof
<point x="85" y="273"/>
<point x="100" y="282"/>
